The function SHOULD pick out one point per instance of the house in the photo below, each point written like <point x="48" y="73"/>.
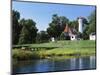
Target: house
<point x="70" y="33"/>
<point x="53" y="39"/>
<point x="73" y="37"/>
<point x="92" y="36"/>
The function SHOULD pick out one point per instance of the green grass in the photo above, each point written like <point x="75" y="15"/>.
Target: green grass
<point x="77" y="43"/>
<point x="67" y="51"/>
<point x="62" y="48"/>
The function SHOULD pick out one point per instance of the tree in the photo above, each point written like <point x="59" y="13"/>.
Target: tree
<point x="90" y="25"/>
<point x="62" y="36"/>
<point x="63" y="22"/>
<point x="42" y="37"/>
<point x="85" y="36"/>
<point x="28" y="32"/>
<point x="57" y="25"/>
<point x="15" y="27"/>
<point x="74" y="24"/>
<point x="92" y="22"/>
<point x="24" y="36"/>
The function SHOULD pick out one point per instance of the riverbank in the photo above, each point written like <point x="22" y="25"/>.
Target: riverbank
<point x="59" y="52"/>
<point x="30" y="55"/>
<point x="65" y="49"/>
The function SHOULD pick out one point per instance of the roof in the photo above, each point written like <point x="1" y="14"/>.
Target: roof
<point x="66" y="29"/>
<point x="70" y="30"/>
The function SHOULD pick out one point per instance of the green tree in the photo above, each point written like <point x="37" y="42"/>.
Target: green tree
<point x="62" y="36"/>
<point x="74" y="24"/>
<point x="28" y="32"/>
<point x="57" y="25"/>
<point x="24" y="36"/>
<point x="63" y="22"/>
<point x="90" y="25"/>
<point x="42" y="37"/>
<point x="15" y="26"/>
<point x="92" y="22"/>
<point x="85" y="29"/>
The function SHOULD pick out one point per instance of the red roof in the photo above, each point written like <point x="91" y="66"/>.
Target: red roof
<point x="66" y="29"/>
<point x="69" y="30"/>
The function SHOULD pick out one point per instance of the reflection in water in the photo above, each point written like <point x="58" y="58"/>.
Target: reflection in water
<point x="73" y="65"/>
<point x="92" y="63"/>
<point x="80" y="63"/>
<point x="47" y="65"/>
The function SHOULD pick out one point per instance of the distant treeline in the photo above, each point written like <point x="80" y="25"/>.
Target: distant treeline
<point x="24" y="31"/>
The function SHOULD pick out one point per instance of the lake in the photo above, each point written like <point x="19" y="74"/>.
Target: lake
<point x="51" y="65"/>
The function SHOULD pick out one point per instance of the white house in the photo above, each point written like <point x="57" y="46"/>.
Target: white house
<point x="70" y="32"/>
<point x="53" y="39"/>
<point x="73" y="37"/>
<point x="92" y="36"/>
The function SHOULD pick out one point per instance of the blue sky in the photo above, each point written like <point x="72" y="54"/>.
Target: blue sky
<point x="42" y="13"/>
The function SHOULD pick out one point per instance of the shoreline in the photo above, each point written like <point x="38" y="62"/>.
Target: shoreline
<point x="65" y="49"/>
<point x="42" y="55"/>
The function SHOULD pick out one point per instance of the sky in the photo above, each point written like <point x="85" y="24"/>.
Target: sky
<point x="42" y="13"/>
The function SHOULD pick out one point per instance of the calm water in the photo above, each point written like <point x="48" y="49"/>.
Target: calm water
<point x="47" y="65"/>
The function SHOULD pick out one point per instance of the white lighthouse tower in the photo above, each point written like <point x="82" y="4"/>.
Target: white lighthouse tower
<point x="80" y="22"/>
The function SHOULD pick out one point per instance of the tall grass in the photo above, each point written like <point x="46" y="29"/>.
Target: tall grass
<point x="19" y="54"/>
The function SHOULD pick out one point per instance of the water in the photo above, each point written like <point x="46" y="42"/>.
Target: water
<point x="48" y="65"/>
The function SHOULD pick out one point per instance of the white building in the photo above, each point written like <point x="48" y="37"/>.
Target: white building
<point x="73" y="37"/>
<point x="80" y="22"/>
<point x="53" y="39"/>
<point x="92" y="36"/>
<point x="72" y="32"/>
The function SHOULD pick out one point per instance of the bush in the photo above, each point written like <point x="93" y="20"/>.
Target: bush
<point x="25" y="55"/>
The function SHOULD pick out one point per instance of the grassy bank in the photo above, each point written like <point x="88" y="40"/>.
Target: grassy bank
<point x="19" y="54"/>
<point x="65" y="48"/>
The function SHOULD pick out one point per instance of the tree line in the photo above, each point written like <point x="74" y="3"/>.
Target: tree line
<point x="24" y="31"/>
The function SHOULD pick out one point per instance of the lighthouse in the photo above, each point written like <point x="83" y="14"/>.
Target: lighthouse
<point x="80" y="23"/>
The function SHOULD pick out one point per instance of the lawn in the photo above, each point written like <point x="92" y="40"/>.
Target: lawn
<point x="61" y="48"/>
<point x="86" y="43"/>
